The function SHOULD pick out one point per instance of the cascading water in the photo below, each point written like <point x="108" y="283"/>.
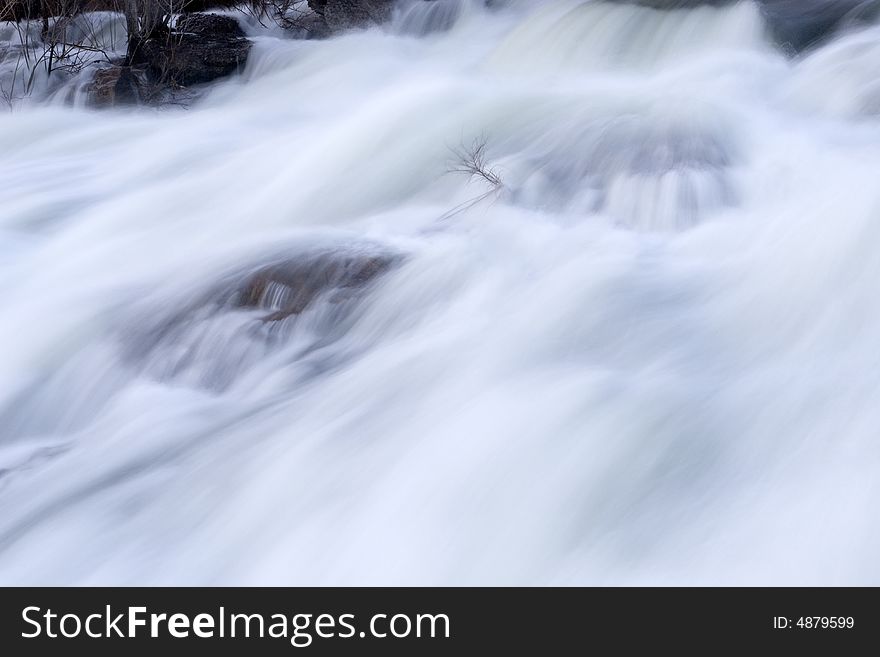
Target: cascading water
<point x="544" y="292"/>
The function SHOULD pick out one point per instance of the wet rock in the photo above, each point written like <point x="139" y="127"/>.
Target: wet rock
<point x="348" y="14"/>
<point x="117" y="86"/>
<point x="209" y="25"/>
<point x="645" y="173"/>
<point x="304" y="23"/>
<point x="310" y="26"/>
<point x="677" y="4"/>
<point x="800" y="24"/>
<point x="305" y="302"/>
<point x="201" y="48"/>
<point x="290" y="287"/>
<point x="204" y="5"/>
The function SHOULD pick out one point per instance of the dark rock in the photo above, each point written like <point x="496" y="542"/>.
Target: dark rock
<point x="800" y="24"/>
<point x="676" y="4"/>
<point x="348" y="14"/>
<point x="201" y="48"/>
<point x="209" y="25"/>
<point x="167" y="6"/>
<point x="306" y="24"/>
<point x="592" y="168"/>
<point x="317" y="6"/>
<point x="116" y="86"/>
<point x="205" y="5"/>
<point x="289" y="287"/>
<point x="307" y="298"/>
<point x="311" y="26"/>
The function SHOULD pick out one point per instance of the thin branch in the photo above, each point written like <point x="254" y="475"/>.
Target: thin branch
<point x="471" y="161"/>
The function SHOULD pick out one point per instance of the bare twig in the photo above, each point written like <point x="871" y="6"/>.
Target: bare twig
<point x="471" y="161"/>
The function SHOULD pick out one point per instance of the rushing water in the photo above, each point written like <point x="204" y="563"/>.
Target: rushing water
<point x="649" y="354"/>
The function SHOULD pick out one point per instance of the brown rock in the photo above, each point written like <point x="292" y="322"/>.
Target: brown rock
<point x="289" y="287"/>
<point x="117" y="86"/>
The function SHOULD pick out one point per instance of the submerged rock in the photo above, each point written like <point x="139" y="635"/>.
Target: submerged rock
<point x="646" y="173"/>
<point x="301" y="305"/>
<point x="201" y="48"/>
<point x="794" y="24"/>
<point x="289" y="287"/>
